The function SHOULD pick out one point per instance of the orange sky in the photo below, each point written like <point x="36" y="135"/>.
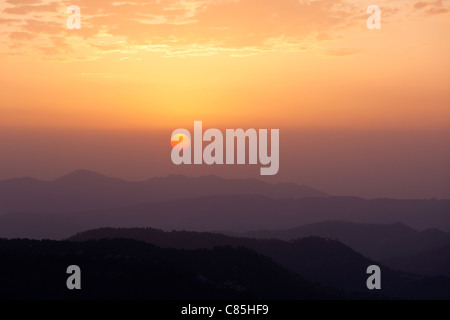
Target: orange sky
<point x="252" y="63"/>
<point x="360" y="112"/>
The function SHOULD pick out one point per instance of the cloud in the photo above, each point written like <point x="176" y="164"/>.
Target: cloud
<point x="40" y="26"/>
<point x="8" y="21"/>
<point x="193" y="27"/>
<point x="420" y="5"/>
<point x="341" y="52"/>
<point x="23" y="2"/>
<point x="432" y="7"/>
<point x="26" y="9"/>
<point x="432" y="11"/>
<point x="22" y="36"/>
<point x="181" y="26"/>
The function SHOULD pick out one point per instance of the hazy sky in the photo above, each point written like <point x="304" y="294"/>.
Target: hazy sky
<point x="310" y="68"/>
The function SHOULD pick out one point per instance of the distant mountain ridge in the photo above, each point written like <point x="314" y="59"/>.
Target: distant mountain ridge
<point x="84" y="190"/>
<point x="84" y="200"/>
<point x="432" y="262"/>
<point x="238" y="213"/>
<point x="315" y="259"/>
<point x="377" y="241"/>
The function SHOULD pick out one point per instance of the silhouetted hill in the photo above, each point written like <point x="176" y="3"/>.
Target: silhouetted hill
<point x="127" y="269"/>
<point x="432" y="262"/>
<point x="377" y="241"/>
<point x="84" y="190"/>
<point x="326" y="261"/>
<point x="238" y="213"/>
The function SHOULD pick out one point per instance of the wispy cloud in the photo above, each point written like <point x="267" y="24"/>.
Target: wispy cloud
<point x="432" y="7"/>
<point x="191" y="27"/>
<point x="341" y="52"/>
<point x="197" y="26"/>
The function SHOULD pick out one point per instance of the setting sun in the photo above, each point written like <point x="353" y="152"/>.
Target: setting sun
<point x="180" y="139"/>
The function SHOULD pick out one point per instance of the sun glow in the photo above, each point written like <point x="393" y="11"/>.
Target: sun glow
<point x="180" y="139"/>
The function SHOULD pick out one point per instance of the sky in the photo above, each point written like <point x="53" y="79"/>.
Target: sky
<point x="139" y="69"/>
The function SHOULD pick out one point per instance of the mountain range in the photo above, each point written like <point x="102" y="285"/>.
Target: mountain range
<point x="238" y="213"/>
<point x="133" y="270"/>
<point x="302" y="235"/>
<point x="432" y="262"/>
<point x="326" y="261"/>
<point x="85" y="200"/>
<point x="84" y="190"/>
<point x="377" y="241"/>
